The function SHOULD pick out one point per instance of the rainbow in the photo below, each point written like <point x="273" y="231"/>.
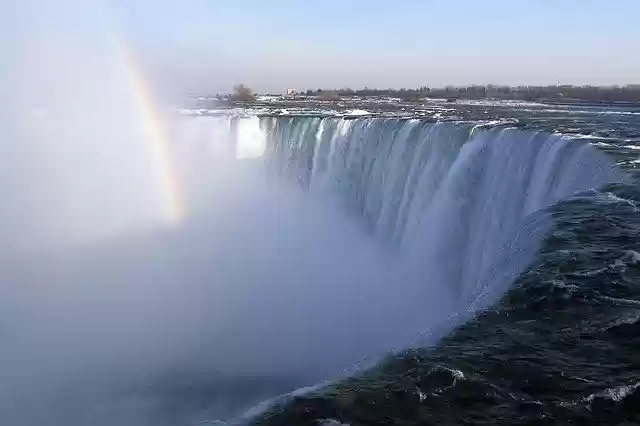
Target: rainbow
<point x="155" y="135"/>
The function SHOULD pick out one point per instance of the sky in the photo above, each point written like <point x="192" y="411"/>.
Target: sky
<point x="209" y="45"/>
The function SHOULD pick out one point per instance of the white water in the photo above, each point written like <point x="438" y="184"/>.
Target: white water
<point x="459" y="200"/>
<point x="376" y="231"/>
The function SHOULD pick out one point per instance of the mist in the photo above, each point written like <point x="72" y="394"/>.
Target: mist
<point x="265" y="286"/>
<point x="116" y="309"/>
<point x="258" y="284"/>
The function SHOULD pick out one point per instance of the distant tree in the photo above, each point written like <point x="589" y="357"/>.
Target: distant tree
<point x="329" y="96"/>
<point x="346" y="91"/>
<point x="242" y="93"/>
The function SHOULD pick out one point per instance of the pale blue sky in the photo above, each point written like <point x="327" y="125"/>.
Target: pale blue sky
<point x="274" y="44"/>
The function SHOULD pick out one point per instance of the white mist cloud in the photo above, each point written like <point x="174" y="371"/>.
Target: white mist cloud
<point x="261" y="281"/>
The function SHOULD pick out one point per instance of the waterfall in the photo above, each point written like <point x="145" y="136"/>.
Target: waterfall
<point x="458" y="199"/>
<point x="307" y="245"/>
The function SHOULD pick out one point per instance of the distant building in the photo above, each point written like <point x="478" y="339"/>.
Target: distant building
<point x="291" y="92"/>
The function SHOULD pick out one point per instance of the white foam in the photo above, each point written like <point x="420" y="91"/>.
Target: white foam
<point x="592" y="273"/>
<point x="331" y="422"/>
<point x="495" y="103"/>
<point x="570" y="110"/>
<point x="609" y="198"/>
<point x="493" y="123"/>
<point x="630" y="257"/>
<point x="357" y="113"/>
<point x="629" y="319"/>
<point x="571" y="288"/>
<point x="620" y="301"/>
<point x="582" y="136"/>
<point x="616" y="394"/>
<point x="603" y="144"/>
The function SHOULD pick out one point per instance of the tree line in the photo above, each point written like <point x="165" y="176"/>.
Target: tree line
<point x="629" y="94"/>
<point x="559" y="93"/>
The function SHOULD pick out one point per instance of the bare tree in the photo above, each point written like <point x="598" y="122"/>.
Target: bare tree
<point x="329" y="96"/>
<point x="242" y="93"/>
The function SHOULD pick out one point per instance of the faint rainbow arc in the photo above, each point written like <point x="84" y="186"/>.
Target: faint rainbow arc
<point x="155" y="134"/>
